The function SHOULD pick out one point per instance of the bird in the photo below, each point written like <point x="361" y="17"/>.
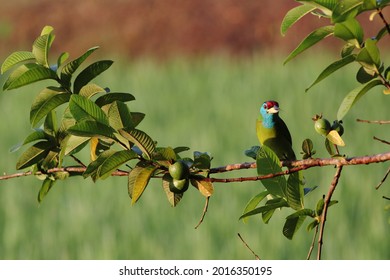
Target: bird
<point x="273" y="132"/>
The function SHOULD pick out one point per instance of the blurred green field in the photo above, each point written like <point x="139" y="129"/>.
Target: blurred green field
<point x="209" y="104"/>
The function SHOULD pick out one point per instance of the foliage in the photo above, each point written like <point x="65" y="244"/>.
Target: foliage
<point x="90" y="115"/>
<point x="344" y="25"/>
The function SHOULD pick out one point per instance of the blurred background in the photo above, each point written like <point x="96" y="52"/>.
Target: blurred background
<point x="199" y="71"/>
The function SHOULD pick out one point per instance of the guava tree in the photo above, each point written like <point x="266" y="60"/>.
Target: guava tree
<point x="99" y="119"/>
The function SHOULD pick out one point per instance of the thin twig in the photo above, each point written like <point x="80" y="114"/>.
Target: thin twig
<point x="78" y="161"/>
<point x="312" y="243"/>
<point x="381" y="140"/>
<point x="383" y="179"/>
<point x="384" y="20"/>
<point x="246" y="245"/>
<point x="325" y="210"/>
<point x="206" y="206"/>
<point x="375" y="122"/>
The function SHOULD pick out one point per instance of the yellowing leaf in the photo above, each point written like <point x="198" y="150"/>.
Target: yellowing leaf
<point x="334" y="137"/>
<point x="386" y="91"/>
<point x="138" y="180"/>
<point x="205" y="187"/>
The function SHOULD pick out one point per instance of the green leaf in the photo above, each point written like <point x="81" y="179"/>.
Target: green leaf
<point x="41" y="46"/>
<point x="332" y="68"/>
<point x="34" y="154"/>
<point x="90" y="90"/>
<point x="293" y="16"/>
<point x="50" y="123"/>
<point x="62" y="58"/>
<point x="47" y="100"/>
<point x="346" y="9"/>
<point x="28" y="73"/>
<point x="141" y="140"/>
<point x="71" y="67"/>
<point x="91" y="129"/>
<point x="369" y="56"/>
<point x="326" y="6"/>
<point x="279" y="202"/>
<point x="93" y="167"/>
<point x="45" y="188"/>
<point x="137" y="117"/>
<point x="15" y="58"/>
<point x="352" y="97"/>
<point x="363" y="77"/>
<point x="202" y="160"/>
<point x="84" y="109"/>
<point x="38" y="134"/>
<point x="292" y="225"/>
<point x="173" y="198"/>
<point x="114" y="96"/>
<point x="268" y="163"/>
<point x="139" y="178"/>
<point x="113" y="162"/>
<point x="251" y="205"/>
<point x="119" y="116"/>
<point x="89" y="73"/>
<point x="349" y="31"/>
<point x="301" y="213"/>
<point x="73" y="144"/>
<point x="313" y="38"/>
<point x="294" y="190"/>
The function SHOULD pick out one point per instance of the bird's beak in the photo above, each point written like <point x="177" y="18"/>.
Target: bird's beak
<point x="273" y="110"/>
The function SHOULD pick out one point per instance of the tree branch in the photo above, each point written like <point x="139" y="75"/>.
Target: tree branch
<point x="295" y="167"/>
<point x="325" y="210"/>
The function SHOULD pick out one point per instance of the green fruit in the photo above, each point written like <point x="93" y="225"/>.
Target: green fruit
<point x="179" y="186"/>
<point x="338" y="127"/>
<point x="322" y="126"/>
<point x="179" y="170"/>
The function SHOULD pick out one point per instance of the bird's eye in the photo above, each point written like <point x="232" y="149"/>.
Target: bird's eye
<point x="265" y="106"/>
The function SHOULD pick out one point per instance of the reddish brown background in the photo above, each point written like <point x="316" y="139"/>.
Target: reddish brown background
<point x="155" y="27"/>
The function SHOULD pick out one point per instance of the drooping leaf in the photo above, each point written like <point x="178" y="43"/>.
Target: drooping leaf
<point x="292" y="225"/>
<point x="332" y="68"/>
<point x="173" y="198"/>
<point x="294" y="15"/>
<point x="71" y="67"/>
<point x="268" y="163"/>
<point x="16" y="58"/>
<point x="46" y="101"/>
<point x="294" y="190"/>
<point x="91" y="129"/>
<point x="84" y="109"/>
<point x="313" y="38"/>
<point x="114" y="96"/>
<point x="353" y="96"/>
<point x="45" y="188"/>
<point x="139" y="178"/>
<point x="141" y="139"/>
<point x="89" y="73"/>
<point x="34" y="154"/>
<point x="253" y="202"/>
<point x="204" y="186"/>
<point x="28" y="73"/>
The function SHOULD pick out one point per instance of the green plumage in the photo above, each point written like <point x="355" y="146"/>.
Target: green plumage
<point x="273" y="132"/>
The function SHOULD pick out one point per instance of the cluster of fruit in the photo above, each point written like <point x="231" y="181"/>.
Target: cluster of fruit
<point x="180" y="173"/>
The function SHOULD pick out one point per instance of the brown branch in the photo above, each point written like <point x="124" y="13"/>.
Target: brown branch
<point x="325" y="210"/>
<point x="384" y="20"/>
<point x="246" y="245"/>
<point x="383" y="179"/>
<point x="312" y="243"/>
<point x="295" y="166"/>
<point x="381" y="140"/>
<point x="206" y="206"/>
<point x="375" y="122"/>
